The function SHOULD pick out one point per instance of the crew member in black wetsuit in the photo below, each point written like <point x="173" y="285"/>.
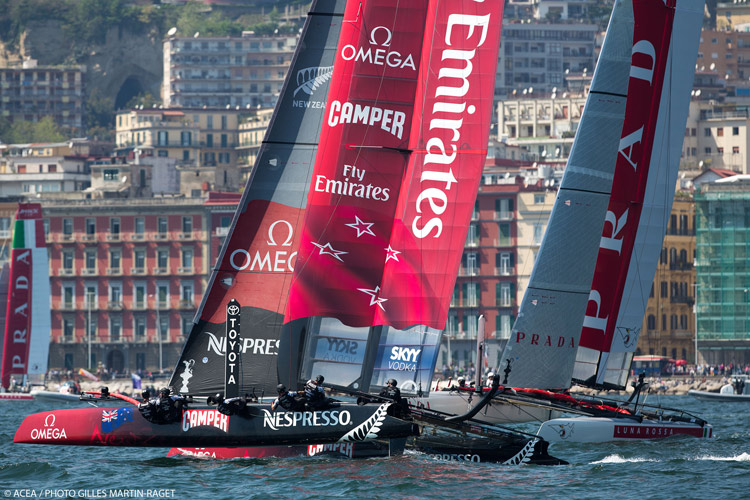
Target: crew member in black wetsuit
<point x="288" y="400"/>
<point x="400" y="408"/>
<point x="315" y="395"/>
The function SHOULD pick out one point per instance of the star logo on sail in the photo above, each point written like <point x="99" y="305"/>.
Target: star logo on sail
<point x="361" y="227"/>
<point x="391" y="254"/>
<point x="374" y="296"/>
<point x="327" y="249"/>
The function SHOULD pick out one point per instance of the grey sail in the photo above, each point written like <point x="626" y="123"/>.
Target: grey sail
<point x="544" y="339"/>
<point x="257" y="258"/>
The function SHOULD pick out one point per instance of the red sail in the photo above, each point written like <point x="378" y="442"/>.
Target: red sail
<point x="26" y="237"/>
<point x="651" y="40"/>
<point x="397" y="174"/>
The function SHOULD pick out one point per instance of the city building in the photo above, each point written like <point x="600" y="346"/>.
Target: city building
<point x="538" y="56"/>
<point x="733" y="16"/>
<point x="202" y="142"/>
<point x="42" y="168"/>
<point x="669" y="322"/>
<point x="722" y="261"/>
<point x="127" y="277"/>
<point x="544" y="127"/>
<point x="244" y="72"/>
<point x="251" y="134"/>
<point x="507" y="226"/>
<point x="716" y="136"/>
<point x="31" y="92"/>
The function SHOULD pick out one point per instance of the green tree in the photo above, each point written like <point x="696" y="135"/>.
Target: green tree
<point x="45" y="130"/>
<point x="100" y="110"/>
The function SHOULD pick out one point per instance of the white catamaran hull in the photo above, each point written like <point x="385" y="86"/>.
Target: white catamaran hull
<point x="460" y="402"/>
<point x="16" y="396"/>
<point x="600" y="430"/>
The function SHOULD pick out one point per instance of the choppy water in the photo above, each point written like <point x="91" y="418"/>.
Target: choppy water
<point x="674" y="468"/>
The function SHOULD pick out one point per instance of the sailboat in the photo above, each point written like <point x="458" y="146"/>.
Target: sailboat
<point x="256" y="260"/>
<point x="581" y="314"/>
<point x="27" y="320"/>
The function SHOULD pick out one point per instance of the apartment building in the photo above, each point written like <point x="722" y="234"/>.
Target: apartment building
<point x="252" y="130"/>
<point x="31" y="169"/>
<point x="245" y="72"/>
<point x="127" y="277"/>
<point x="31" y="92"/>
<point x="202" y="142"/>
<point x="538" y="56"/>
<point x="669" y="322"/>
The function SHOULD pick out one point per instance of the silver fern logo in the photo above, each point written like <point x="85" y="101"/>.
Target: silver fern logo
<point x="523" y="456"/>
<point x="309" y="79"/>
<point x="368" y="429"/>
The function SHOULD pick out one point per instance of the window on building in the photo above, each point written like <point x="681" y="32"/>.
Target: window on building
<point x="162" y="258"/>
<point x="67" y="227"/>
<point x="115" y="258"/>
<point x="503" y="235"/>
<point x="68" y="328"/>
<point x="720" y="131"/>
<point x="91" y="293"/>
<point x="115" y="294"/>
<point x="735" y="130"/>
<point x="209" y="140"/>
<point x="187" y="259"/>
<point x="115" y="327"/>
<point x="68" y="295"/>
<point x="651" y="322"/>
<point x="538" y="234"/>
<point x="114" y="226"/>
<point x="707" y="132"/>
<point x="164" y="326"/>
<point x="720" y="151"/>
<point x="664" y="289"/>
<point x="111" y="174"/>
<point x="735" y="150"/>
<point x="139" y="327"/>
<point x="139" y="295"/>
<point x="187" y="225"/>
<point x="162" y="295"/>
<point x="504" y="294"/>
<point x="707" y="150"/>
<point x="90" y="226"/>
<point x="504" y="263"/>
<point x="185" y="139"/>
<point x="161" y="225"/>
<point x="89" y="258"/>
<point x="187" y="325"/>
<point x="139" y="258"/>
<point x="67" y="259"/>
<point x="140" y="225"/>
<point x="186" y="293"/>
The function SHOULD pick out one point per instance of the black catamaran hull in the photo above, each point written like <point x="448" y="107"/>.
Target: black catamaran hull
<point x="201" y="427"/>
<point x="514" y="451"/>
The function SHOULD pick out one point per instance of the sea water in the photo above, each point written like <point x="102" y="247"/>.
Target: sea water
<point x="674" y="468"/>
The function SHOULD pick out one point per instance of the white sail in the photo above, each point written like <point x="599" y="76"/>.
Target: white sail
<point x="543" y="343"/>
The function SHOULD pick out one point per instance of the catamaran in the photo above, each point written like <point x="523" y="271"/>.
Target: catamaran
<point x="582" y="312"/>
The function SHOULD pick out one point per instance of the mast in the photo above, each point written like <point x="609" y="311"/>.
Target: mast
<point x="402" y="150"/>
<point x="664" y="53"/>
<point x="27" y="320"/>
<point x="259" y="254"/>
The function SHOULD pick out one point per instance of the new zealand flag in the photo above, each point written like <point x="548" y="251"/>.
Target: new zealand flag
<point x="112" y="419"/>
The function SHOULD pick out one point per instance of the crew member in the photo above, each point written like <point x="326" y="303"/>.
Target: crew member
<point x="315" y="395"/>
<point x="400" y="408"/>
<point x="233" y="406"/>
<point x="288" y="400"/>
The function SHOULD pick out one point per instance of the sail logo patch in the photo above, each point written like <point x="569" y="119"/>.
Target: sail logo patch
<point x="378" y="52"/>
<point x="273" y="261"/>
<point x="545" y="340"/>
<point x="404" y="359"/>
<point x="309" y="80"/>
<point x="204" y="418"/>
<point x="281" y="419"/>
<point x="387" y="119"/>
<point x="268" y="347"/>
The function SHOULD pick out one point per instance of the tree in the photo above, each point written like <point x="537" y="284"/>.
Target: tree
<point x="100" y="110"/>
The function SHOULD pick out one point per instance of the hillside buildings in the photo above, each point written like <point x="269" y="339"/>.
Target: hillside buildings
<point x="239" y="72"/>
<point x="31" y="92"/>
